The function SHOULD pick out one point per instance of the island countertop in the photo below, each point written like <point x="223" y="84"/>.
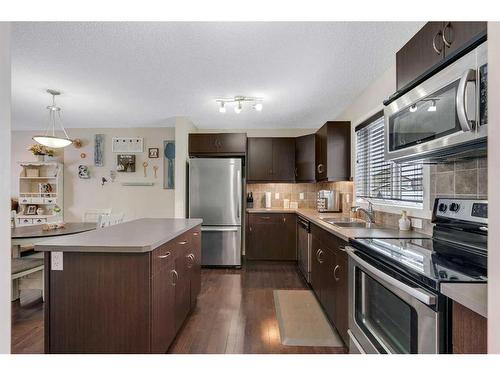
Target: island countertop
<point x="136" y="236"/>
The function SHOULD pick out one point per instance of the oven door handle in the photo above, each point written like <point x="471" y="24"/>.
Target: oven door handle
<point x="418" y="293"/>
<point x="468" y="76"/>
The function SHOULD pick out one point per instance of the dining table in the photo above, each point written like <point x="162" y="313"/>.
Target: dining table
<point x="22" y="236"/>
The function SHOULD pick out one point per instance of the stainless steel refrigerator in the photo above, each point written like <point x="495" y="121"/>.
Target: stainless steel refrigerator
<point x="215" y="195"/>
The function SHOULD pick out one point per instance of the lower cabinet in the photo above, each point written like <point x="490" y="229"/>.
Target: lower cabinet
<point x="271" y="236"/>
<point x="132" y="303"/>
<point x="329" y="275"/>
<point x="469" y="331"/>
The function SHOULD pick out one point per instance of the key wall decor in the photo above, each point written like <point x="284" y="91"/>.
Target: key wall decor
<point x="128" y="145"/>
<point x="99" y="150"/>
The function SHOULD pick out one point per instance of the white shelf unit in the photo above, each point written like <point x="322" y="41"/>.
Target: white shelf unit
<point x="51" y="173"/>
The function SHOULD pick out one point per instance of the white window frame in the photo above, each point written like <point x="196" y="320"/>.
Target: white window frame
<point x="423" y="210"/>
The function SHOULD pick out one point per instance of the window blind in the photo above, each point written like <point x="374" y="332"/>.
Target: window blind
<point x="380" y="179"/>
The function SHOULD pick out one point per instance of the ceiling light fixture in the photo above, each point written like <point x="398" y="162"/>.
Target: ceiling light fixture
<point x="432" y="107"/>
<point x="413" y="108"/>
<point x="238" y="107"/>
<point x="255" y="103"/>
<point x="50" y="139"/>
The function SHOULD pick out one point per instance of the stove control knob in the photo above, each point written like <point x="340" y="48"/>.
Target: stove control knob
<point x="454" y="207"/>
<point x="442" y="207"/>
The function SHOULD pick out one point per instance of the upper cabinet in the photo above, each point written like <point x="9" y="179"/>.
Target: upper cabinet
<point x="333" y="151"/>
<point x="271" y="160"/>
<point x="429" y="46"/>
<point x="305" y="158"/>
<point x="225" y="144"/>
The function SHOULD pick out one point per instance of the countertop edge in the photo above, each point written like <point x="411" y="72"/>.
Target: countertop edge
<point x="115" y="249"/>
<point x="474" y="296"/>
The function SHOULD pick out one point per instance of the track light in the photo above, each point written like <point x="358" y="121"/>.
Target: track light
<point x="432" y="108"/>
<point x="238" y="107"/>
<point x="258" y="106"/>
<point x="413" y="108"/>
<point x="222" y="107"/>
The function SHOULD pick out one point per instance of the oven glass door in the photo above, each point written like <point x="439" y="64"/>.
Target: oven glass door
<point x="390" y="323"/>
<point x="432" y="117"/>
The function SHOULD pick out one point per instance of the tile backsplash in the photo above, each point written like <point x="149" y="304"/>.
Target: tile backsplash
<point x="461" y="179"/>
<point x="293" y="192"/>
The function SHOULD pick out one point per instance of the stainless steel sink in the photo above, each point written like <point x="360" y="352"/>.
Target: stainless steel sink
<point x="349" y="223"/>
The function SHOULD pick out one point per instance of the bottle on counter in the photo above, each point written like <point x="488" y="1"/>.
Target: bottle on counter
<point x="404" y="222"/>
<point x="250" y="200"/>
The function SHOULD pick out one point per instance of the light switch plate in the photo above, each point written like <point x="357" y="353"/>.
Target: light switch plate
<point x="56" y="261"/>
<point x="416" y="223"/>
<point x="301" y="196"/>
<point x="276" y="195"/>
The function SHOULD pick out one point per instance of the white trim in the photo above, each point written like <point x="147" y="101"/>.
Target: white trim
<point x="391" y="207"/>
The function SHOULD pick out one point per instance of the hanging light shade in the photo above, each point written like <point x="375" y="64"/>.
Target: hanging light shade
<point x="50" y="139"/>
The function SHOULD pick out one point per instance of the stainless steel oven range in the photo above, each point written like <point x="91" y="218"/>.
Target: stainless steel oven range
<point x="395" y="300"/>
<point x="444" y="116"/>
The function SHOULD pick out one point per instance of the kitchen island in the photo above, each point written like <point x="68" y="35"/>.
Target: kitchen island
<point x="121" y="289"/>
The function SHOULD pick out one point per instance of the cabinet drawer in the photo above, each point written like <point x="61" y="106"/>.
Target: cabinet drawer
<point x="49" y="200"/>
<point x="265" y="218"/>
<point x="39" y="221"/>
<point x="37" y="200"/>
<point x="161" y="257"/>
<point x="22" y="222"/>
<point x="24" y="200"/>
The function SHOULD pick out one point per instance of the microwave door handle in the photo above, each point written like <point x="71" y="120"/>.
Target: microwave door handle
<point x="468" y="76"/>
<point x="418" y="293"/>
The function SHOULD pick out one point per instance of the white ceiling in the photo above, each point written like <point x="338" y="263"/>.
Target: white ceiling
<point x="144" y="74"/>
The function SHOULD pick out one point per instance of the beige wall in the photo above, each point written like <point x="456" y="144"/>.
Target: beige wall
<point x="80" y="194"/>
<point x="5" y="254"/>
<point x="493" y="183"/>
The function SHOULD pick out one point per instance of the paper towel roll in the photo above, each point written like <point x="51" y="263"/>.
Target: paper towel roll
<point x="268" y="199"/>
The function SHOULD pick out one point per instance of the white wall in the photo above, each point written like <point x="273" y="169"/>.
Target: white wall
<point x="5" y="252"/>
<point x="183" y="126"/>
<point x="81" y="194"/>
<point x="493" y="183"/>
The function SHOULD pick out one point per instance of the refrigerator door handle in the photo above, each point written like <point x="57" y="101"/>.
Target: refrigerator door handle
<point x="238" y="196"/>
<point x="208" y="229"/>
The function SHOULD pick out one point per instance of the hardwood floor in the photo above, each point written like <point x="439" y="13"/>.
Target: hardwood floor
<point x="234" y="314"/>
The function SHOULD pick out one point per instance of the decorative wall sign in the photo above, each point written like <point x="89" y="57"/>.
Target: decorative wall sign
<point x="99" y="150"/>
<point x="154" y="153"/>
<point x="169" y="164"/>
<point x="83" y="172"/>
<point x="129" y="145"/>
<point x="31" y="209"/>
<point x="125" y="163"/>
<point x="155" y="169"/>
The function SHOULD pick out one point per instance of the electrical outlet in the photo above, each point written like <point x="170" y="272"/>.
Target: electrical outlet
<point x="416" y="223"/>
<point x="56" y="261"/>
<point x="301" y="196"/>
<point x="276" y="195"/>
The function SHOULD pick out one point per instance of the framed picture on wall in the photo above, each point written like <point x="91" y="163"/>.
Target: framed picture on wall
<point x="154" y="153"/>
<point x="31" y="209"/>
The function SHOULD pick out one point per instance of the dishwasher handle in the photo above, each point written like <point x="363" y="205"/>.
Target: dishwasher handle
<point x="304" y="224"/>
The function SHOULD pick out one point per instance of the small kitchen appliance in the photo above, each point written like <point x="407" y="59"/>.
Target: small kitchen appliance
<point x="328" y="201"/>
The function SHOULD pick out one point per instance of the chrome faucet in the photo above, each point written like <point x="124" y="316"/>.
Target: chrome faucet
<point x="369" y="213"/>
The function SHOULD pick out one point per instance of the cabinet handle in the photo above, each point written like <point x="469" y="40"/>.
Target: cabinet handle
<point x="445" y="41"/>
<point x="265" y="217"/>
<point x="174" y="273"/>
<point x="438" y="51"/>
<point x="318" y="256"/>
<point x="296" y="172"/>
<point x="182" y="243"/>
<point x="195" y="233"/>
<point x="320" y="168"/>
<point x="191" y="258"/>
<point x="164" y="256"/>
<point x="337" y="267"/>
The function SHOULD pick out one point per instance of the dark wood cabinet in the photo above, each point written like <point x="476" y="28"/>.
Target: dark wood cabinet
<point x="469" y="331"/>
<point x="121" y="302"/>
<point x="163" y="313"/>
<point x="329" y="278"/>
<point x="271" y="160"/>
<point x="333" y="151"/>
<point x="195" y="265"/>
<point x="433" y="43"/>
<point x="230" y="144"/>
<point x="271" y="237"/>
<point x="305" y="158"/>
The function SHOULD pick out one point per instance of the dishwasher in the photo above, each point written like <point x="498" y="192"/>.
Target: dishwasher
<point x="304" y="247"/>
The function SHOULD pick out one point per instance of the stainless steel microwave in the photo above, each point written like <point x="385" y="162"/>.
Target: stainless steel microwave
<point x="444" y="116"/>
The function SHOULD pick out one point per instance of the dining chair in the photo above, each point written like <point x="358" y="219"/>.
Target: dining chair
<point x="92" y="215"/>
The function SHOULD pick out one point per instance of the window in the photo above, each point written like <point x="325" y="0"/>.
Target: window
<point x="384" y="180"/>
